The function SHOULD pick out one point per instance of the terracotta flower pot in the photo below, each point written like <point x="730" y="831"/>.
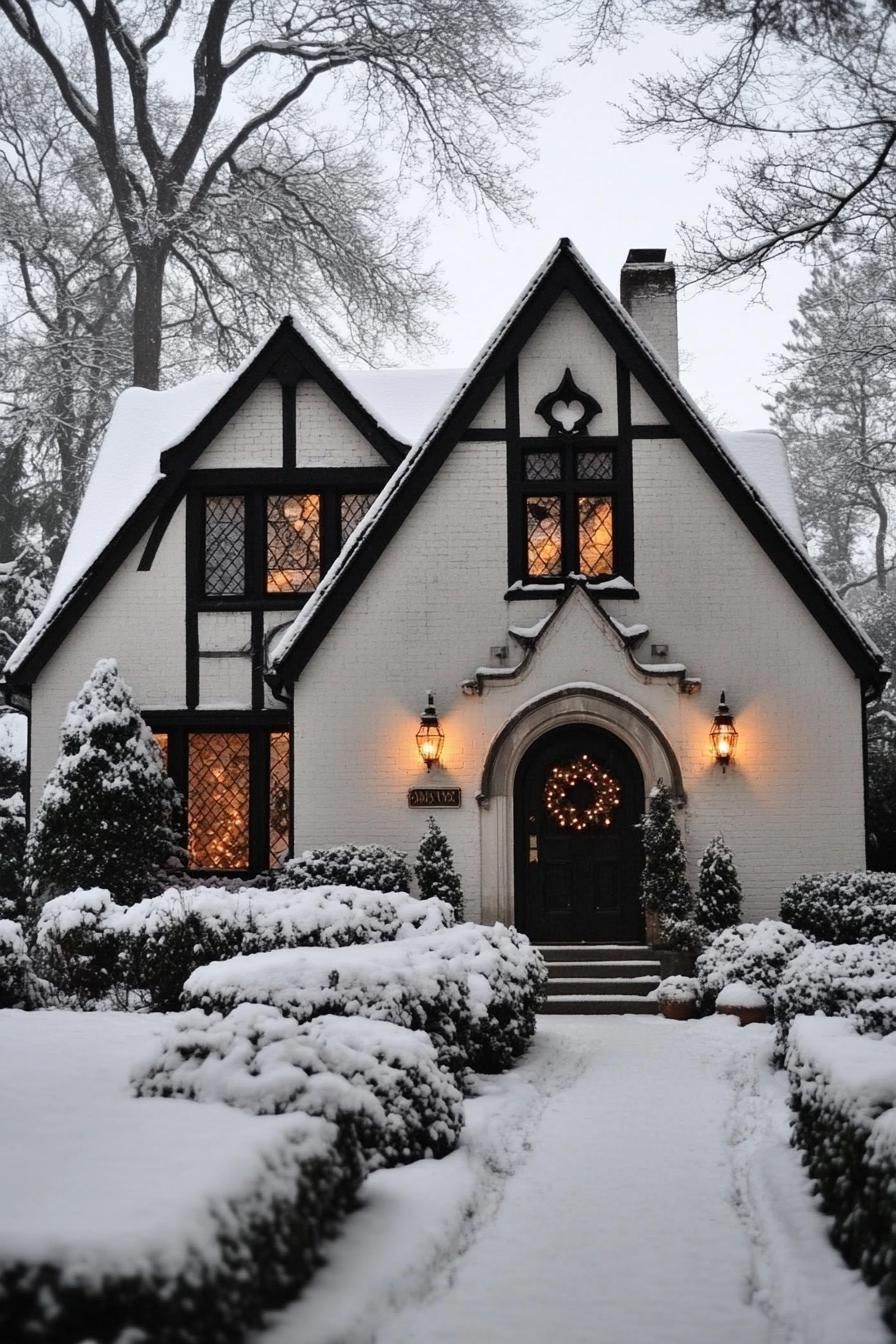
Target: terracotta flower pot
<point x="746" y="1016"/>
<point x="678" y="1010"/>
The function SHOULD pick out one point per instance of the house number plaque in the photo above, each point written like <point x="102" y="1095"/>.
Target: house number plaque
<point x="433" y="797"/>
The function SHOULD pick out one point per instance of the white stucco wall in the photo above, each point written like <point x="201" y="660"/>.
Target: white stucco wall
<point x="433" y="606"/>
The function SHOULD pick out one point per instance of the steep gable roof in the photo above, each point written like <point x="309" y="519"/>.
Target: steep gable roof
<point x="152" y="440"/>
<point x="564" y="270"/>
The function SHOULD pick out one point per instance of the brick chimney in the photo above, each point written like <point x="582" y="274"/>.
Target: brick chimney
<point x="647" y="291"/>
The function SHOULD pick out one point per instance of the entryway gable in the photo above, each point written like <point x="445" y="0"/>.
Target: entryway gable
<point x="580" y="638"/>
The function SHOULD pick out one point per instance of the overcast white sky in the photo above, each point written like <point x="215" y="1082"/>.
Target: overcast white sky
<point x="609" y="197"/>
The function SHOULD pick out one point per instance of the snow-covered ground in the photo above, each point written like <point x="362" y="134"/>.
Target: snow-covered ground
<point x="631" y="1179"/>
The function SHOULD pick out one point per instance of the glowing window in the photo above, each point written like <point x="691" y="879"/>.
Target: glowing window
<point x="544" y="536"/>
<point x="279" y="796"/>
<point x="218" y="800"/>
<point x="595" y="536"/>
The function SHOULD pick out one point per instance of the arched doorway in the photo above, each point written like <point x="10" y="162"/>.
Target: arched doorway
<point x="578" y="795"/>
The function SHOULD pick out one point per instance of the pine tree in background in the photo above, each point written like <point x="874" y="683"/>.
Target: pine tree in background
<point x="108" y="813"/>
<point x="436" y="874"/>
<point x="718" y="891"/>
<point x="664" y="885"/>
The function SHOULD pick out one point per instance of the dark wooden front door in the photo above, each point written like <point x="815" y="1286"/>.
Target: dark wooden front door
<point x="579" y="794"/>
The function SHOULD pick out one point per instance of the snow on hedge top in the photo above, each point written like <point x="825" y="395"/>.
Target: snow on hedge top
<point x="858" y="1071"/>
<point x="98" y="1181"/>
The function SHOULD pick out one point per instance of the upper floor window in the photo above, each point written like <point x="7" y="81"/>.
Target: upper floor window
<point x="567" y="497"/>
<point x="276" y="545"/>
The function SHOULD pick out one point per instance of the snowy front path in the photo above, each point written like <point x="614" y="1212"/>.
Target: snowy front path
<point x="631" y="1179"/>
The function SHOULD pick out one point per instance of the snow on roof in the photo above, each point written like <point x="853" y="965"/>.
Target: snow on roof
<point x="403" y="401"/>
<point x="762" y="458"/>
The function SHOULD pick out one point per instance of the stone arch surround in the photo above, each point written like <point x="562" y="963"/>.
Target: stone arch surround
<point x="587" y="704"/>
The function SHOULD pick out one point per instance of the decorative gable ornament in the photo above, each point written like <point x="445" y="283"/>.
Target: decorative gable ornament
<point x="568" y="410"/>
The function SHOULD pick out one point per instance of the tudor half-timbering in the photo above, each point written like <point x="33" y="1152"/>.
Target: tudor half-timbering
<point x="287" y="561"/>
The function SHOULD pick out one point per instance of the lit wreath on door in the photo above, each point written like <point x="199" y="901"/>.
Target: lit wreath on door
<point x="580" y="796"/>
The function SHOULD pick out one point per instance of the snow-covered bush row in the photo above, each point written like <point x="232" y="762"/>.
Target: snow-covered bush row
<point x="168" y="1222"/>
<point x="875" y="1017"/>
<point x="20" y="987"/>
<point x="475" y="989"/>
<point x="93" y="948"/>
<point x="384" y="981"/>
<point x="381" y="1083"/>
<point x="833" y="980"/>
<point x="842" y="907"/>
<point x="756" y="954"/>
<point x="843" y="1090"/>
<point x="373" y="867"/>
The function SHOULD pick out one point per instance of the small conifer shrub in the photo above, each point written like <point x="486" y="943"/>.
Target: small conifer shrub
<point x="108" y="812"/>
<point x="718" y="891"/>
<point x="664" y="884"/>
<point x="436" y="874"/>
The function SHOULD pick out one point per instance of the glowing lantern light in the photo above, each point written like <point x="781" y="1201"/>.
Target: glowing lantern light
<point x="430" y="738"/>
<point x="723" y="735"/>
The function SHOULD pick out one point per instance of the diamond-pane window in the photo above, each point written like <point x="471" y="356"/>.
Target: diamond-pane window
<point x="543" y="466"/>
<point x="594" y="466"/>
<point x="293" y="543"/>
<point x="543" y="537"/>
<point x="595" y="536"/>
<point x="279" y="796"/>
<point x="218" y="794"/>
<point x="352" y="509"/>
<point x="225" y="545"/>
<point x="162" y="744"/>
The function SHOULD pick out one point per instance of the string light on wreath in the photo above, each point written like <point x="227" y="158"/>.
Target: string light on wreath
<point x="580" y="795"/>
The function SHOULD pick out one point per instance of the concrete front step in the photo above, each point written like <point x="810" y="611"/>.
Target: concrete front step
<point x="598" y="1003"/>
<point x="602" y="970"/>
<point x="595" y="952"/>
<point x="564" y="986"/>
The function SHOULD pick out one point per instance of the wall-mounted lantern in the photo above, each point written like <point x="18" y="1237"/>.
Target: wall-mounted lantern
<point x="723" y="735"/>
<point x="430" y="738"/>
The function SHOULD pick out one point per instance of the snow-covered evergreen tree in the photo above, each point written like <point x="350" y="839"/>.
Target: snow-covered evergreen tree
<point x="12" y="813"/>
<point x="108" y="813"/>
<point x="718" y="891"/>
<point x="664" y="883"/>
<point x="436" y="874"/>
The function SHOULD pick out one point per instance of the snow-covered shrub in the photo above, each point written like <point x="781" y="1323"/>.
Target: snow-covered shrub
<point x="373" y="867"/>
<point x="737" y="995"/>
<point x="678" y="989"/>
<point x="833" y="980"/>
<point x="436" y="874"/>
<point x="843" y="1090"/>
<point x="757" y="954"/>
<point x="389" y="982"/>
<point x="20" y="986"/>
<point x="250" y="1247"/>
<point x="379" y="1082"/>
<point x="875" y="1017"/>
<point x="506" y="977"/>
<point x="12" y="855"/>
<point x="664" y="886"/>
<point x="108" y="814"/>
<point x="76" y="946"/>
<point x="842" y="907"/>
<point x="719" y="897"/>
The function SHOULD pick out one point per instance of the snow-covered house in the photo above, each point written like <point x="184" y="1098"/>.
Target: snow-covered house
<point x="288" y="559"/>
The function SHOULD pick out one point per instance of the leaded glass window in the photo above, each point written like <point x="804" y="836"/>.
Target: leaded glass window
<point x="162" y="744"/>
<point x="293" y="547"/>
<point x="352" y="509"/>
<point x="225" y="545"/>
<point x="592" y="466"/>
<point x="280" y="795"/>
<point x="595" y="536"/>
<point x="544" y="538"/>
<point x="542" y="466"/>
<point x="218" y="800"/>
